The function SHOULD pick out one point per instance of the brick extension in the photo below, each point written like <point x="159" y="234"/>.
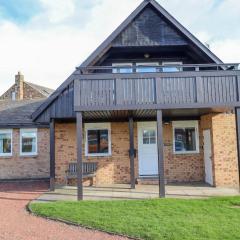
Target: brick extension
<point x="27" y="167"/>
<point x="178" y="168"/>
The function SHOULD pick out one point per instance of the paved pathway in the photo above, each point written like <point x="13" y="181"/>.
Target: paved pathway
<point x="122" y="191"/>
<point x="17" y="224"/>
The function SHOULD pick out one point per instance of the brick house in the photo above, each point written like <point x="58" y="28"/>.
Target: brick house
<point x="150" y="103"/>
<point x="24" y="144"/>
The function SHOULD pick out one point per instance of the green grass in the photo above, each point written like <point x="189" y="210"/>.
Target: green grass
<point x="214" y="218"/>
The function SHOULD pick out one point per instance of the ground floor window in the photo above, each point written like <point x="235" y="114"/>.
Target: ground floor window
<point x="98" y="139"/>
<point x="28" y="141"/>
<point x="185" y="137"/>
<point x="5" y="142"/>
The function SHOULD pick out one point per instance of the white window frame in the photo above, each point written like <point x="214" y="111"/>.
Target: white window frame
<point x="98" y="126"/>
<point x="27" y="130"/>
<point x="186" y="124"/>
<point x="168" y="64"/>
<point x="4" y="131"/>
<point x="146" y="64"/>
<point x="119" y="65"/>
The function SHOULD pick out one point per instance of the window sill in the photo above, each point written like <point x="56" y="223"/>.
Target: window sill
<point x="6" y="156"/>
<point x="98" y="155"/>
<point x="28" y="156"/>
<point x="185" y="153"/>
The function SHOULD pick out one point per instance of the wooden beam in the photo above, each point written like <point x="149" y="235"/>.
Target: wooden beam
<point x="79" y="156"/>
<point x="237" y="113"/>
<point x="131" y="152"/>
<point x="160" y="154"/>
<point x="52" y="155"/>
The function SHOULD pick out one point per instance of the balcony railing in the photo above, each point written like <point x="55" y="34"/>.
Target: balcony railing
<point x="205" y="85"/>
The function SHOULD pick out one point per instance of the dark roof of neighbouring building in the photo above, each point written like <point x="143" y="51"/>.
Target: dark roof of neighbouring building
<point x="18" y="113"/>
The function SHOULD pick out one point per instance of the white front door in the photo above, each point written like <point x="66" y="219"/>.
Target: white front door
<point x="147" y="148"/>
<point x="208" y="157"/>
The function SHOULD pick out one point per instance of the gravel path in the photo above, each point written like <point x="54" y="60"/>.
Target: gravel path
<point x="17" y="224"/>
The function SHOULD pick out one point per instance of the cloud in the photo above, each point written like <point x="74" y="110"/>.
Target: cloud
<point x="62" y="33"/>
<point x="58" y="10"/>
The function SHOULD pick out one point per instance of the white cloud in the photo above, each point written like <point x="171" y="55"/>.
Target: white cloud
<point x="54" y="42"/>
<point x="228" y="50"/>
<point x="58" y="10"/>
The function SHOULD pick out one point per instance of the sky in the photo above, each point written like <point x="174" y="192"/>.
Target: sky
<point x="47" y="39"/>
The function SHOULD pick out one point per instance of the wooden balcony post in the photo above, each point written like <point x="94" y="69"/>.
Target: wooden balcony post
<point x="79" y="156"/>
<point x="132" y="152"/>
<point x="52" y="155"/>
<point x="237" y="113"/>
<point x="160" y="154"/>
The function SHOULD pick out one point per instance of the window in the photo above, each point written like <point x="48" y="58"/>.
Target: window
<point x="98" y="142"/>
<point x="122" y="68"/>
<point x="147" y="67"/>
<point x="172" y="68"/>
<point x="185" y="137"/>
<point x="13" y="96"/>
<point x="5" y="142"/>
<point x="28" y="142"/>
<point x="149" y="137"/>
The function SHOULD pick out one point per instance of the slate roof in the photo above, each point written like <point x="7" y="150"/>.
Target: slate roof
<point x="43" y="90"/>
<point x="18" y="113"/>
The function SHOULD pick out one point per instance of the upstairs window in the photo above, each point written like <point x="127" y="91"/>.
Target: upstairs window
<point x="98" y="139"/>
<point x="5" y="142"/>
<point x="147" y="67"/>
<point x="185" y="137"/>
<point x="28" y="142"/>
<point x="171" y="66"/>
<point x="122" y="68"/>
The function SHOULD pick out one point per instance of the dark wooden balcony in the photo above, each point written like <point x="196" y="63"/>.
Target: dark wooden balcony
<point x="190" y="86"/>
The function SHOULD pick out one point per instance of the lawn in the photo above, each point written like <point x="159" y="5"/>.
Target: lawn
<point x="214" y="218"/>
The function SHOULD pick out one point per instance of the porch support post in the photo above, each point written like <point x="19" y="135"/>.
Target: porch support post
<point x="52" y="155"/>
<point x="79" y="156"/>
<point x="160" y="154"/>
<point x="131" y="152"/>
<point x="237" y="113"/>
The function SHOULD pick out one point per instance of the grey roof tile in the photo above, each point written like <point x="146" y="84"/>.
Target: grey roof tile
<point x="18" y="113"/>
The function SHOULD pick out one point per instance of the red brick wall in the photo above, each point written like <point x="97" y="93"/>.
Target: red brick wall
<point x="224" y="148"/>
<point x="182" y="167"/>
<point x="19" y="167"/>
<point x="113" y="169"/>
<point x="116" y="168"/>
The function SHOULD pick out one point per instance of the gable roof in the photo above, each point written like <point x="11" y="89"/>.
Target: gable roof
<point x="41" y="89"/>
<point x="107" y="43"/>
<point x="18" y="113"/>
<point x="99" y="52"/>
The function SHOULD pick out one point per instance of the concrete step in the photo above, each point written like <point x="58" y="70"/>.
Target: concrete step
<point x="147" y="180"/>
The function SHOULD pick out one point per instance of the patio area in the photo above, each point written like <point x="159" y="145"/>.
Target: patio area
<point x="124" y="192"/>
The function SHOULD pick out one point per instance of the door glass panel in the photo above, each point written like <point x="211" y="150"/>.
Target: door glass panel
<point x="149" y="137"/>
